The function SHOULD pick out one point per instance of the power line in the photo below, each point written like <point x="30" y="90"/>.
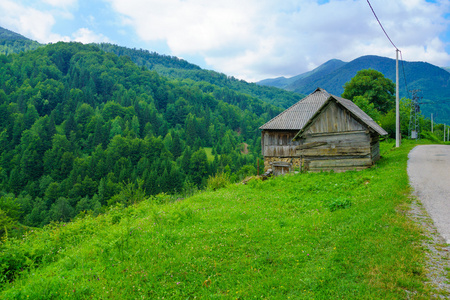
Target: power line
<point x="401" y="55"/>
<point x="382" y="26"/>
<point x="404" y="74"/>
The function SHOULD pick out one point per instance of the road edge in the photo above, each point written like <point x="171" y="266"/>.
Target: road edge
<point x="437" y="250"/>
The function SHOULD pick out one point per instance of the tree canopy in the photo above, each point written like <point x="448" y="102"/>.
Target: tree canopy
<point x="373" y="86"/>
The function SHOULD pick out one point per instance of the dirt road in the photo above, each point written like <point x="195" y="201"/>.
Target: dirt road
<point x="429" y="175"/>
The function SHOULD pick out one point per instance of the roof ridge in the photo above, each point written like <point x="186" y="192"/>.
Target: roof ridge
<point x="280" y="115"/>
<point x="360" y="114"/>
<point x="308" y="107"/>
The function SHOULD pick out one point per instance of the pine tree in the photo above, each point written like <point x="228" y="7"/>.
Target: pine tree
<point x="30" y="116"/>
<point x="198" y="167"/>
<point x="177" y="147"/>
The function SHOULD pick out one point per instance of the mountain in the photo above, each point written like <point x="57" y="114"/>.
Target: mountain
<point x="11" y="42"/>
<point x="434" y="82"/>
<point x="6" y="34"/>
<point x="168" y="66"/>
<point x="179" y="69"/>
<point x="285" y="83"/>
<point x="446" y="69"/>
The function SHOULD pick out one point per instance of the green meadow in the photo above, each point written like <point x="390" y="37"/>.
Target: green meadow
<point x="303" y="236"/>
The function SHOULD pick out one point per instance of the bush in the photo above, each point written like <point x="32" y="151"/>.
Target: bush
<point x="246" y="170"/>
<point x="220" y="180"/>
<point x="430" y="136"/>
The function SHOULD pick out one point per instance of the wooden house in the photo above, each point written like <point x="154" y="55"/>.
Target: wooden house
<point x="321" y="132"/>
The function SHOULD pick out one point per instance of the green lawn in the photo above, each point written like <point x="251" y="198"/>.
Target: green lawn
<point x="304" y="236"/>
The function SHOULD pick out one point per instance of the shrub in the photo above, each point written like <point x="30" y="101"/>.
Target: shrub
<point x="430" y="136"/>
<point x="220" y="180"/>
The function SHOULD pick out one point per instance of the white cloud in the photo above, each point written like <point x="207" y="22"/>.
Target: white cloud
<point x="86" y="36"/>
<point x="30" y="22"/>
<point x="38" y="24"/>
<point x="190" y="26"/>
<point x="254" y="39"/>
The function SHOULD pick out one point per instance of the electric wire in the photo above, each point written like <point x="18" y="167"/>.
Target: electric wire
<point x="401" y="56"/>
<point x="382" y="26"/>
<point x="404" y="74"/>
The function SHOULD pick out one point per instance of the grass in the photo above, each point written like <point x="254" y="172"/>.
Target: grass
<point x="304" y="236"/>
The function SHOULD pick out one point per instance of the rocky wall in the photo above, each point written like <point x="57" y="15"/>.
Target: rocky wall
<point x="295" y="161"/>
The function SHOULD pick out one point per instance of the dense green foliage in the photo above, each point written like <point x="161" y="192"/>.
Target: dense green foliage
<point x="305" y="236"/>
<point x="373" y="93"/>
<point x="11" y="42"/>
<point x="431" y="80"/>
<point x="173" y="67"/>
<point x="150" y="60"/>
<point x="373" y="86"/>
<point x="79" y="127"/>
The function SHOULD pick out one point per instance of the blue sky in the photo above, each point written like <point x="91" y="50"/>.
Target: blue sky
<point x="248" y="39"/>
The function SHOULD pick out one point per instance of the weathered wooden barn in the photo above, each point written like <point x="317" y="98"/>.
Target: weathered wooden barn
<point x="321" y="132"/>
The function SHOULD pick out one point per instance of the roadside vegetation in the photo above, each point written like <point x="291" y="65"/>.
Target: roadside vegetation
<point x="303" y="236"/>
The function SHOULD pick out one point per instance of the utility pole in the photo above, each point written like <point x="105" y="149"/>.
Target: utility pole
<point x="397" y="104"/>
<point x="431" y="122"/>
<point x="414" y="115"/>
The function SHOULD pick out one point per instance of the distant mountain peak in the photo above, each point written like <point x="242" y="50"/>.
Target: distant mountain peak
<point x="6" y="34"/>
<point x="12" y="42"/>
<point x="285" y="83"/>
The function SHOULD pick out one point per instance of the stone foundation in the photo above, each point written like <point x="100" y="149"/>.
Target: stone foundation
<point x="295" y="161"/>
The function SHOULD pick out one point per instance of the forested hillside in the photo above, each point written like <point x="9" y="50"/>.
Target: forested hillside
<point x="176" y="68"/>
<point x="11" y="42"/>
<point x="81" y="129"/>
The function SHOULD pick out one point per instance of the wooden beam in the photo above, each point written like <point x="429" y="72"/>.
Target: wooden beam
<point x="314" y="158"/>
<point x="310" y="145"/>
<point x="334" y="133"/>
<point x="331" y="163"/>
<point x="337" y="151"/>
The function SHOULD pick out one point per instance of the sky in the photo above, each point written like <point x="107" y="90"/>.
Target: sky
<point x="247" y="39"/>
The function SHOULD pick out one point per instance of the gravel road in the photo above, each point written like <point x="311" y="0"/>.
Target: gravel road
<point x="429" y="175"/>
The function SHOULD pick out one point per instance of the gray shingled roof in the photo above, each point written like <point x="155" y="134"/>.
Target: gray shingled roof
<point x="298" y="115"/>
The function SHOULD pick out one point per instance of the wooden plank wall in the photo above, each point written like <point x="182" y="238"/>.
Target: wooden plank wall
<point x="278" y="143"/>
<point x="334" y="119"/>
<point x="336" y="151"/>
<point x="375" y="147"/>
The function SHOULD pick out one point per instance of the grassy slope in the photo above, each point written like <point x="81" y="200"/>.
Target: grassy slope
<point x="273" y="239"/>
